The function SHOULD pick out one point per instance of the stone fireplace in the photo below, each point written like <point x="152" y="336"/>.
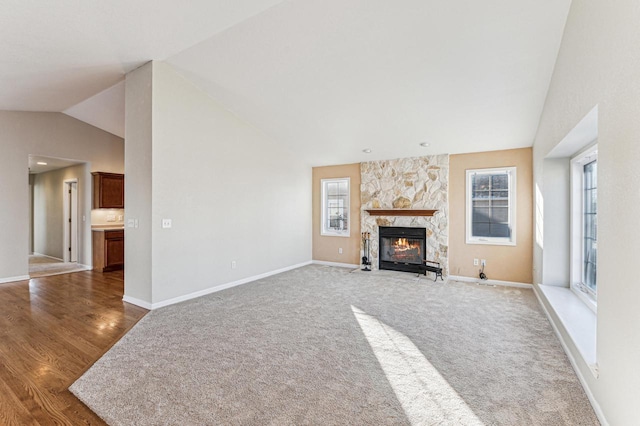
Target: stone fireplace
<point x="408" y="183"/>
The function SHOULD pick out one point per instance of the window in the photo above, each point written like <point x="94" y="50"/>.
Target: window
<point x="491" y="206"/>
<point x="584" y="226"/>
<point x="590" y="225"/>
<point x="335" y="207"/>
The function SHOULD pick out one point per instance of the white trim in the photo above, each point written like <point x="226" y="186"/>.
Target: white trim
<point x="585" y="294"/>
<point x="210" y="290"/>
<point x="44" y="255"/>
<point x="490" y="282"/>
<point x="137" y="302"/>
<point x="336" y="264"/>
<point x="67" y="229"/>
<point x="13" y="279"/>
<point x="326" y="234"/>
<point x="586" y="298"/>
<point x="511" y="172"/>
<point x="323" y="212"/>
<point x="594" y="369"/>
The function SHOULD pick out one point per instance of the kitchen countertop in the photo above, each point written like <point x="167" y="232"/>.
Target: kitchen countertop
<point x="102" y="228"/>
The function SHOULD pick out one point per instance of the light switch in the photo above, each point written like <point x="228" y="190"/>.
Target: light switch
<point x="166" y="223"/>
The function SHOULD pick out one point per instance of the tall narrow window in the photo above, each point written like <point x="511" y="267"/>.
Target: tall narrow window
<point x="584" y="225"/>
<point x="590" y="225"/>
<point x="491" y="206"/>
<point x="335" y="207"/>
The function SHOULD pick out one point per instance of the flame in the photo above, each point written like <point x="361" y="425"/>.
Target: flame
<point x="402" y="244"/>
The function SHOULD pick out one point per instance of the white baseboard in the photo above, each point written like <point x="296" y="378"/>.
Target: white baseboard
<point x="572" y="360"/>
<point x="12" y="279"/>
<point x="137" y="302"/>
<point x="217" y="288"/>
<point x="339" y="265"/>
<point x="489" y="282"/>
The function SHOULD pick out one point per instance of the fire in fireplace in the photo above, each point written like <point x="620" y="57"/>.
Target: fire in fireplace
<point x="402" y="249"/>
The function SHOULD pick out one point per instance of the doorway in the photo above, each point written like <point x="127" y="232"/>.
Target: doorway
<point x="58" y="193"/>
<point x="70" y="204"/>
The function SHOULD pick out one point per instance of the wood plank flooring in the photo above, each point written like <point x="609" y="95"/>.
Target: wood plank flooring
<point x="52" y="329"/>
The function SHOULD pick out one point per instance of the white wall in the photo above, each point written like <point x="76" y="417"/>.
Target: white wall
<point x="44" y="134"/>
<point x="598" y="65"/>
<point x="137" y="191"/>
<point x="232" y="194"/>
<point x="48" y="212"/>
<point x="557" y="209"/>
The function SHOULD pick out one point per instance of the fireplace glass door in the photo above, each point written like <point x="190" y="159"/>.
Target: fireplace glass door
<point x="402" y="249"/>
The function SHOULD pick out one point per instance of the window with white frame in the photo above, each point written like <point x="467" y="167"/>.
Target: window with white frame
<point x="491" y="200"/>
<point x="584" y="224"/>
<point x="335" y="207"/>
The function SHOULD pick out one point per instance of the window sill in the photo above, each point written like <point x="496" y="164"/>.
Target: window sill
<point x="578" y="321"/>
<point x="327" y="234"/>
<point x="489" y="242"/>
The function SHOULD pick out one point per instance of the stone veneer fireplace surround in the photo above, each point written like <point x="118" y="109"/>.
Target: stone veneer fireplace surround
<point x="409" y="183"/>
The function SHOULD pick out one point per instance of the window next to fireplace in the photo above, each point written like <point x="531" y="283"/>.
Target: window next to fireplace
<point x="402" y="249"/>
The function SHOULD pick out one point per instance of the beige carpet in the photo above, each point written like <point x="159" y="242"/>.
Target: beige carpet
<point x="42" y="266"/>
<point x="321" y="345"/>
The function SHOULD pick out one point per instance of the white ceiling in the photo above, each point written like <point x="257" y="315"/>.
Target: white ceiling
<point x="55" y="55"/>
<point x="325" y="78"/>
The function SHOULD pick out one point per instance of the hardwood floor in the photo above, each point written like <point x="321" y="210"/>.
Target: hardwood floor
<point x="52" y="329"/>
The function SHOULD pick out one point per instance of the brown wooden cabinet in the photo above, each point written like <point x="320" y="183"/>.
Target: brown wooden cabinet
<point x="108" y="250"/>
<point x="108" y="190"/>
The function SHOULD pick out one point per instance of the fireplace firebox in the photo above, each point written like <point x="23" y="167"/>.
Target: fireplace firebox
<point x="402" y="249"/>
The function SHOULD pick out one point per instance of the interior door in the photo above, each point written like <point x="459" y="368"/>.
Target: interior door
<point x="71" y="221"/>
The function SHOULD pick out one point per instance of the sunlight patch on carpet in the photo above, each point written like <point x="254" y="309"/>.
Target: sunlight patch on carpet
<point x="424" y="394"/>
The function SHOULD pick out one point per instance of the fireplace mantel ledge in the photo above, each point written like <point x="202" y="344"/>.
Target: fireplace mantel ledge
<point x="400" y="212"/>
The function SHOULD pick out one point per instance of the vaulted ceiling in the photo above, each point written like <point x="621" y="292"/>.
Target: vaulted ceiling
<point x="327" y="79"/>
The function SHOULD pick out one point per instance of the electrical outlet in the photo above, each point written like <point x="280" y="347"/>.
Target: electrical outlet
<point x="483" y="262"/>
<point x="120" y="218"/>
<point x="340" y="250"/>
<point x="166" y="223"/>
<point x="475" y="262"/>
<point x="111" y="218"/>
<point x="233" y="264"/>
